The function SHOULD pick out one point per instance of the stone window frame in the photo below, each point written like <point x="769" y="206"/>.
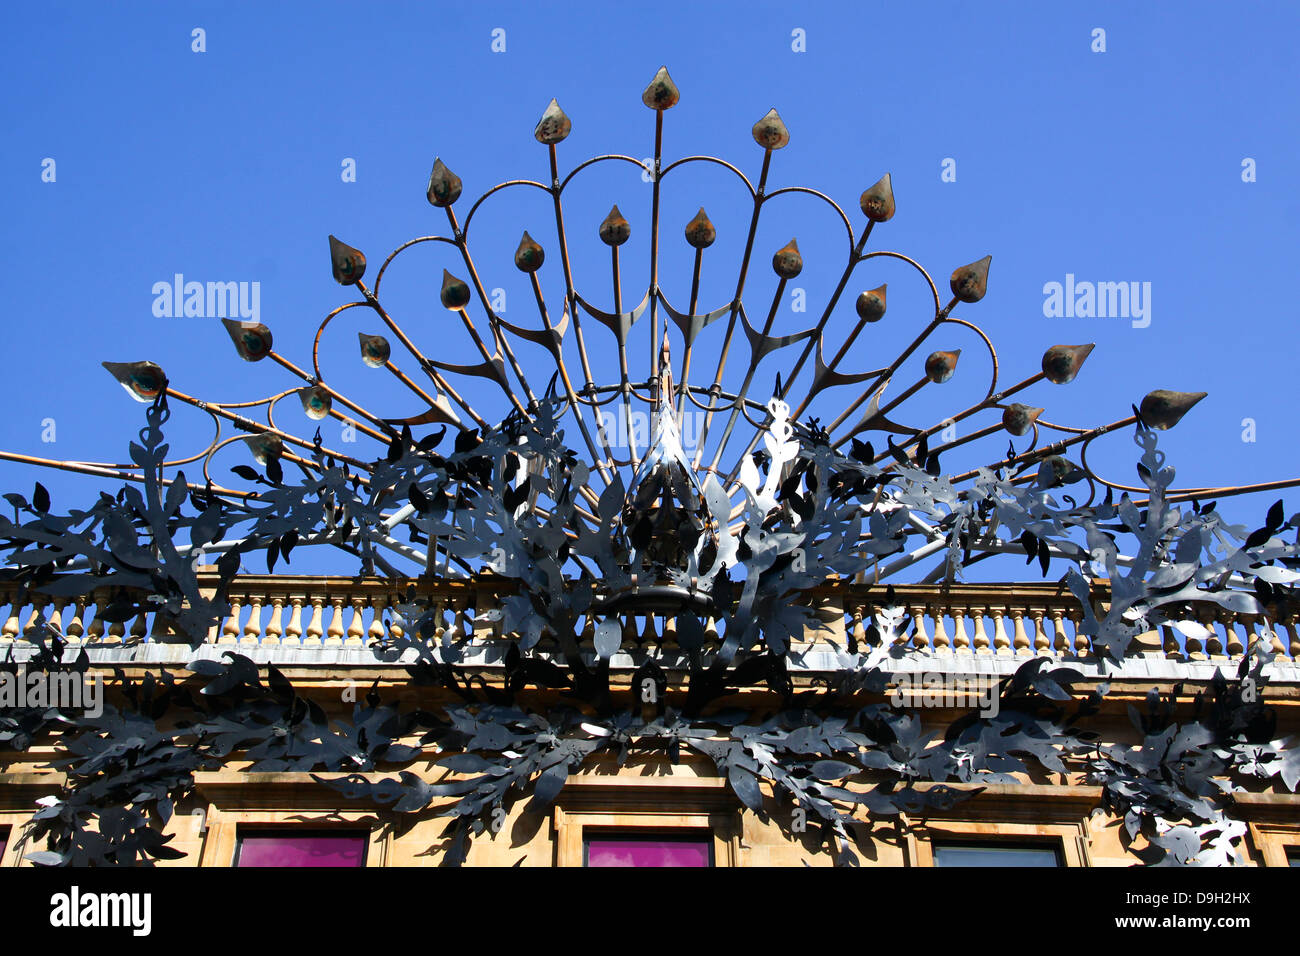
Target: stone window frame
<point x="19" y="792"/>
<point x="1276" y="842"/>
<point x="1009" y="814"/>
<point x="1272" y="819"/>
<point x="690" y="805"/>
<point x="286" y="801"/>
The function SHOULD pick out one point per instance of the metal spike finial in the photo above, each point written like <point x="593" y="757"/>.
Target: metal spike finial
<point x="662" y="93"/>
<point x="1163" y="409"/>
<point x="349" y="264"/>
<point x="877" y="202"/>
<point x="529" y="256"/>
<point x="787" y="262"/>
<point x="316" y="401"/>
<point x="252" y="339"/>
<point x="614" y="231"/>
<point x="871" y="304"/>
<point x="940" y="366"/>
<point x="700" y="232"/>
<point x="770" y="132"/>
<point x="970" y="282"/>
<point x="666" y="359"/>
<point x="1061" y="363"/>
<point x="1018" y="419"/>
<point x="455" y="292"/>
<point x="444" y="185"/>
<point x="665" y="384"/>
<point x="554" y="125"/>
<point x="264" y="447"/>
<point x="1055" y="471"/>
<point x="375" y="350"/>
<point x="143" y="381"/>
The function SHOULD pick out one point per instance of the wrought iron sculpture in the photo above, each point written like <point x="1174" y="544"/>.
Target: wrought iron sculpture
<point x="721" y="552"/>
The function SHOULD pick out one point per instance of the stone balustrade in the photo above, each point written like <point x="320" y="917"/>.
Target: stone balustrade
<point x="998" y="620"/>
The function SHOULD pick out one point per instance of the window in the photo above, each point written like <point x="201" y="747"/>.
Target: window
<point x="693" y="820"/>
<point x="1009" y="825"/>
<point x="996" y="854"/>
<point x="1274" y="833"/>
<point x="4" y="841"/>
<point x="302" y="848"/>
<point x="675" y="848"/>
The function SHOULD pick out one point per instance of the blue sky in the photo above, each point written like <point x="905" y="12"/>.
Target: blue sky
<point x="225" y="165"/>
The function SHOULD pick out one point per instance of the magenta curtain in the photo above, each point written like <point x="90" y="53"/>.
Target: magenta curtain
<point x="602" y="851"/>
<point x="315" y="850"/>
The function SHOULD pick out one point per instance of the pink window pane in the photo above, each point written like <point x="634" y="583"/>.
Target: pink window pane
<point x="313" y="849"/>
<point x="648" y="851"/>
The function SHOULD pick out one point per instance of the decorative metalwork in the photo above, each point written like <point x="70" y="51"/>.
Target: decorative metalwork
<point x="736" y="422"/>
<point x="725" y="553"/>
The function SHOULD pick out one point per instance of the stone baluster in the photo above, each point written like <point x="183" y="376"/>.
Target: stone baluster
<point x="1275" y="639"/>
<point x="375" y="632"/>
<point x="1235" y="647"/>
<point x="316" y="626"/>
<point x="920" y="639"/>
<point x="334" y="633"/>
<point x="230" y="630"/>
<point x="649" y="637"/>
<point x="462" y="628"/>
<point x="859" y="628"/>
<point x="1023" y="643"/>
<point x="1042" y="633"/>
<point x="1082" y="646"/>
<point x="56" y="615"/>
<point x="981" y="637"/>
<point x="38" y="610"/>
<point x="161" y="627"/>
<point x="293" y="630"/>
<point x="1213" y="643"/>
<point x="1293" y="645"/>
<point x="1195" y="645"/>
<point x="356" y="628"/>
<point x="95" y="633"/>
<point x="942" y="643"/>
<point x="139" y="628"/>
<point x="670" y="632"/>
<point x="960" y="641"/>
<point x="1001" y="641"/>
<point x="116" y="631"/>
<point x="271" y="637"/>
<point x="1248" y="624"/>
<point x="253" y="626"/>
<point x="1058" y="641"/>
<point x="1170" y="645"/>
<point x="711" y="632"/>
<point x="76" y="628"/>
<point x="12" y="625"/>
